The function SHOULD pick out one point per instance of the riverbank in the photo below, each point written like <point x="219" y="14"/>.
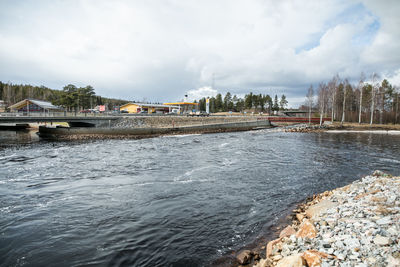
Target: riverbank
<point x="355" y="225"/>
<point x="337" y="127"/>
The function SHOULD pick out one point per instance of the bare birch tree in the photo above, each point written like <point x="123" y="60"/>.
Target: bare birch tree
<point x="375" y="86"/>
<point x="310" y="100"/>
<point x="361" y="87"/>
<point x="345" y="85"/>
<point x="332" y="86"/>
<point x="396" y="93"/>
<point x="322" y="100"/>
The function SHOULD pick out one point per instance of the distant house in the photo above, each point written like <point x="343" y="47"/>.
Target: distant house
<point x="33" y="105"/>
<point x="146" y="108"/>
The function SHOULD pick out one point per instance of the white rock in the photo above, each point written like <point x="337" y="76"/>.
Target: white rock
<point x="392" y="231"/>
<point x="392" y="262"/>
<point x="340" y="256"/>
<point x="384" y="220"/>
<point x="381" y="240"/>
<point x="293" y="238"/>
<point x="352" y="243"/>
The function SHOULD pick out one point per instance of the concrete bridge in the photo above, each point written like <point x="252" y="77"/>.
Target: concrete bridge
<point x="73" y="121"/>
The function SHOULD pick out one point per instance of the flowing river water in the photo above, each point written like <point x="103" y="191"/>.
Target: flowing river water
<point x="167" y="201"/>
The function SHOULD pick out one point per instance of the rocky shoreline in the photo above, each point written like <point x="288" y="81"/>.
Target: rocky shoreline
<point x="355" y="225"/>
<point x="341" y="128"/>
<point x="313" y="128"/>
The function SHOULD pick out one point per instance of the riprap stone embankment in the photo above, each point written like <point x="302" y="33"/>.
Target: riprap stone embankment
<point x="175" y="121"/>
<point x="356" y="225"/>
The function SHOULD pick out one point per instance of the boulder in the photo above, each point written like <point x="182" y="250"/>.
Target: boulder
<point x="264" y="263"/>
<point x="291" y="261"/>
<point x="299" y="217"/>
<point x="306" y="229"/>
<point x="288" y="231"/>
<point x="315" y="210"/>
<point x="270" y="246"/>
<point x="244" y="256"/>
<point x="313" y="259"/>
<point x="276" y="257"/>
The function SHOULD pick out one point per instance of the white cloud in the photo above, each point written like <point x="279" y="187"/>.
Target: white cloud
<point x="160" y="49"/>
<point x="394" y="79"/>
<point x="199" y="93"/>
<point x="386" y="44"/>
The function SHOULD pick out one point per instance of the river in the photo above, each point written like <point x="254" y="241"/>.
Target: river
<point x="167" y="201"/>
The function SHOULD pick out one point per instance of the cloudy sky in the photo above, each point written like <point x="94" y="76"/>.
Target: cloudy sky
<point x="159" y="50"/>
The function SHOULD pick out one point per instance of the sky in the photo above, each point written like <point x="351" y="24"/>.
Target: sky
<point x="160" y="50"/>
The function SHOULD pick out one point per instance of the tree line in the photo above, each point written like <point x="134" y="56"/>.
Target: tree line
<point x="250" y="102"/>
<point x="71" y="97"/>
<point x="367" y="101"/>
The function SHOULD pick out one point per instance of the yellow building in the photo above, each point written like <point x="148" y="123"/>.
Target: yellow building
<point x="146" y="108"/>
<point x="184" y="107"/>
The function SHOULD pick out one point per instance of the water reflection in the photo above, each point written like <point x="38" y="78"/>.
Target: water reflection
<point x="12" y="138"/>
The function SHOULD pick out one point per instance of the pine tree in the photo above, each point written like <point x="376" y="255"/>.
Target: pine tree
<point x="248" y="101"/>
<point x="218" y="103"/>
<point x="275" y="107"/>
<point x="283" y="103"/>
<point x="227" y="101"/>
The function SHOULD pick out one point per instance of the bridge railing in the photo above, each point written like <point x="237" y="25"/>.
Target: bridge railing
<point x="52" y="114"/>
<point x="295" y="119"/>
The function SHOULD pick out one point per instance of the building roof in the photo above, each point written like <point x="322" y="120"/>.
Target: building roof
<point x="181" y="103"/>
<point x="40" y="103"/>
<point x="149" y="105"/>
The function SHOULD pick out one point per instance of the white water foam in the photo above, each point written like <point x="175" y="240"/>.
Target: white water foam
<point x="389" y="160"/>
<point x="223" y="145"/>
<point x="179" y="135"/>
